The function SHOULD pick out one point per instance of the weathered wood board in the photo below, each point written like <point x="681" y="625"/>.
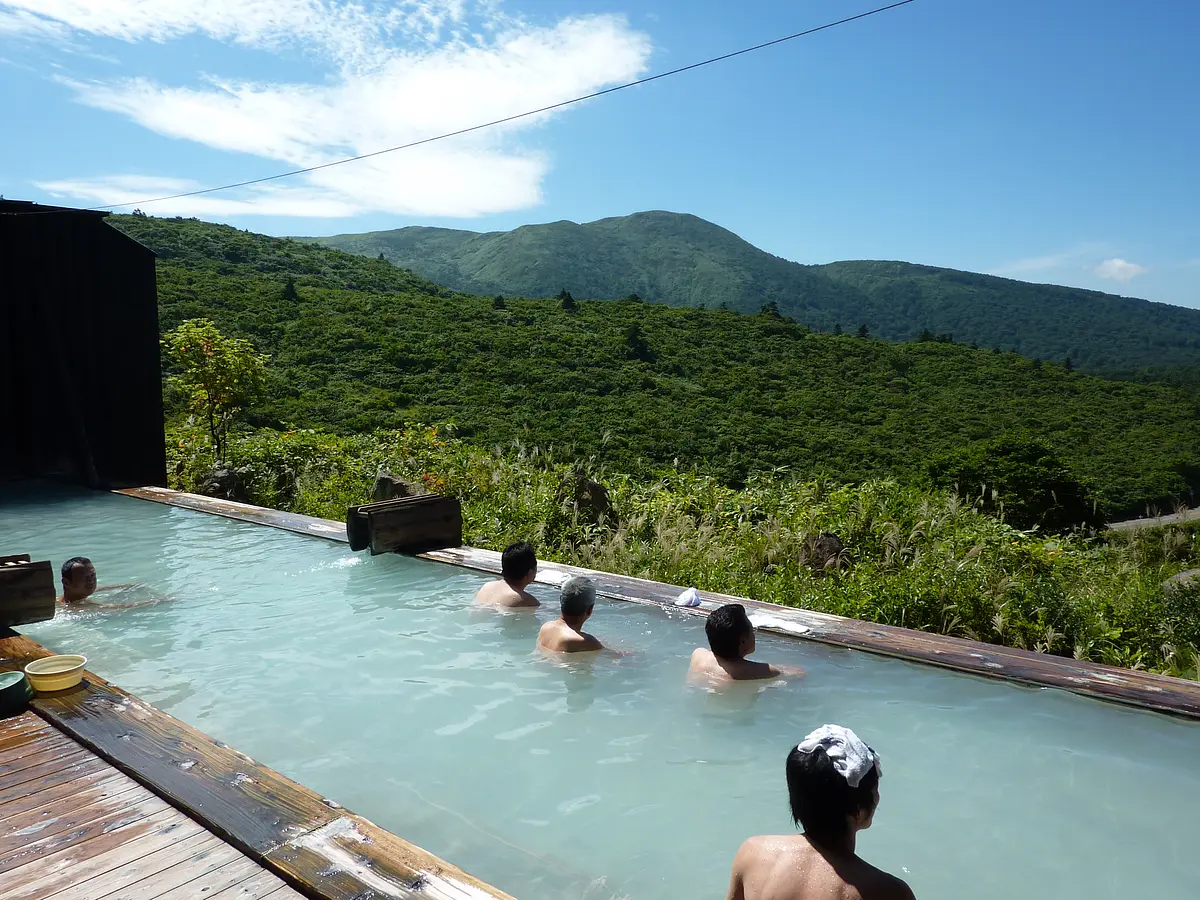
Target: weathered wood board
<point x="406" y="524"/>
<point x="313" y="844"/>
<point x="27" y="591"/>
<point x="109" y="837"/>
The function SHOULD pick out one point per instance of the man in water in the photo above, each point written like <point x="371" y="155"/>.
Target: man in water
<point x="833" y="787"/>
<point x="730" y="641"/>
<point x="518" y="568"/>
<point x="565" y="634"/>
<point x="78" y="581"/>
<point x="79" y="584"/>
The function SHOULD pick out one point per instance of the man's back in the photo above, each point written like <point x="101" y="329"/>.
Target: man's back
<point x="790" y="867"/>
<point x="501" y="593"/>
<point x="559" y="637"/>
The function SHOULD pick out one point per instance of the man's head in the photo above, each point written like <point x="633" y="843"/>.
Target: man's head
<point x="577" y="598"/>
<point x="730" y="634"/>
<point x="518" y="564"/>
<point x="78" y="579"/>
<point x="833" y="784"/>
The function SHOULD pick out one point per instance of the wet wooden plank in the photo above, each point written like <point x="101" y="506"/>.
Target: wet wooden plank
<point x="156" y="872"/>
<point x="21" y="846"/>
<point x="243" y="512"/>
<point x="78" y="864"/>
<point x="30" y="742"/>
<point x="61" y="753"/>
<point x="75" y="809"/>
<point x="264" y="884"/>
<point x="105" y="780"/>
<point x="211" y="883"/>
<point x="54" y="775"/>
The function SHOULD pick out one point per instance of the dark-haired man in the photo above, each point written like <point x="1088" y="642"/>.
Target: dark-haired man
<point x="79" y="585"/>
<point x="833" y="788"/>
<point x="78" y="581"/>
<point x="730" y="640"/>
<point x="518" y="568"/>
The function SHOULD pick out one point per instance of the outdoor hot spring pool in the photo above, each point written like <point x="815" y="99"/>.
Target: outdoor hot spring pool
<point x="374" y="682"/>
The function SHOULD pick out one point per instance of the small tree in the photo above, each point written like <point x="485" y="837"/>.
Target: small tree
<point x="289" y="291"/>
<point x="498" y="303"/>
<point x="864" y="331"/>
<point x="568" y="302"/>
<point x="1068" y="365"/>
<point x="219" y="375"/>
<point x="770" y="309"/>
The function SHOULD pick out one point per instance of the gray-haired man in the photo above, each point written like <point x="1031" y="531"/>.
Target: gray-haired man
<point x="565" y="634"/>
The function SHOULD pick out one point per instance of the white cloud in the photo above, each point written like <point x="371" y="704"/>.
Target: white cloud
<point x="1120" y="270"/>
<point x="402" y="72"/>
<point x="1076" y="257"/>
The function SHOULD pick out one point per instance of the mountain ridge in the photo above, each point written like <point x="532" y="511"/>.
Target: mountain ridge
<point x="683" y="260"/>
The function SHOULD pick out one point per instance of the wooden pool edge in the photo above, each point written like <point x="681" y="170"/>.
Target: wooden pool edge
<point x="315" y="845"/>
<point x="1129" y="687"/>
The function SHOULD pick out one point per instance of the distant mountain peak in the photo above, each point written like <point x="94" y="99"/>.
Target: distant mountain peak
<point x="683" y="260"/>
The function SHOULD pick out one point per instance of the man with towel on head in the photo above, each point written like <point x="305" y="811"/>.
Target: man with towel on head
<point x="833" y="787"/>
<point x="565" y="634"/>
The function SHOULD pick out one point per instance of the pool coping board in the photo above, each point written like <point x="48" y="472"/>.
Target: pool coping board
<point x="315" y="845"/>
<point x="1129" y="687"/>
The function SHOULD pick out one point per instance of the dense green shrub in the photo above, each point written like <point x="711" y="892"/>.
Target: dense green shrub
<point x="921" y="558"/>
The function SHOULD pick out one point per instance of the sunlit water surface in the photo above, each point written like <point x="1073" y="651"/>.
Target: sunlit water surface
<point x="374" y="682"/>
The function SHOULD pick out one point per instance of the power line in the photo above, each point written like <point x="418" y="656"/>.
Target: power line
<point x="513" y="118"/>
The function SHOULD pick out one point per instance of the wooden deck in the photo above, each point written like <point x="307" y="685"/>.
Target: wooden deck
<point x="1175" y="696"/>
<point x="72" y="827"/>
<point x="311" y="842"/>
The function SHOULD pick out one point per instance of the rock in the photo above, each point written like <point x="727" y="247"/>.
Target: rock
<point x="824" y="553"/>
<point x="590" y="498"/>
<point x="1183" y="581"/>
<point x="226" y="484"/>
<point x="390" y="487"/>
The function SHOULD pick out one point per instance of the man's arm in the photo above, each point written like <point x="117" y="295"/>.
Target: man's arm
<point x="581" y="644"/>
<point x="737" y="890"/>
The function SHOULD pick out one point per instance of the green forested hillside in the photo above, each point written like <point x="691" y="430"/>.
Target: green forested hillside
<point x="357" y="344"/>
<point x="682" y="260"/>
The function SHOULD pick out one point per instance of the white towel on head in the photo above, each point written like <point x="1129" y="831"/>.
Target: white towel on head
<point x="851" y="757"/>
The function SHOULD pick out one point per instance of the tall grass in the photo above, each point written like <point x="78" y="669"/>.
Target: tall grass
<point x="915" y="558"/>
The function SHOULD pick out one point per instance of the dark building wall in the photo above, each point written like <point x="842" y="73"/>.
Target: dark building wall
<point x="80" y="377"/>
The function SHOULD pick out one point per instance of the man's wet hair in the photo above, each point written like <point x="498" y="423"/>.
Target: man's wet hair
<point x="820" y="796"/>
<point x="73" y="564"/>
<point x="517" y="561"/>
<point x="725" y="628"/>
<point x="577" y="597"/>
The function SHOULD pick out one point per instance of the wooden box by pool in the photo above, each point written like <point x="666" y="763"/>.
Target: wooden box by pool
<point x="26" y="590"/>
<point x="406" y="525"/>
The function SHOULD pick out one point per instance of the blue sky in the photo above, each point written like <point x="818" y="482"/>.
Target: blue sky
<point x="1048" y="141"/>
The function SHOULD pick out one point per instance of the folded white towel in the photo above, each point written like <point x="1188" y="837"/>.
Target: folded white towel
<point x="851" y="757"/>
<point x="766" y="620"/>
<point x="690" y="597"/>
<point x="556" y="577"/>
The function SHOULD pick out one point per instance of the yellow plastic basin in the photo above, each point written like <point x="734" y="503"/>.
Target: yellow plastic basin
<point x="56" y="673"/>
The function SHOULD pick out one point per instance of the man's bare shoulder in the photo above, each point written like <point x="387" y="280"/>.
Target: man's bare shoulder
<point x="500" y="593"/>
<point x="880" y="885"/>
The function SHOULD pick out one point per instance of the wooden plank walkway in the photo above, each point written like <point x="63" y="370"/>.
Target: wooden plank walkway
<point x="72" y="827"/>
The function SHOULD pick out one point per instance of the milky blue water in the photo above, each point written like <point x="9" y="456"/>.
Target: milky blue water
<point x="374" y="682"/>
